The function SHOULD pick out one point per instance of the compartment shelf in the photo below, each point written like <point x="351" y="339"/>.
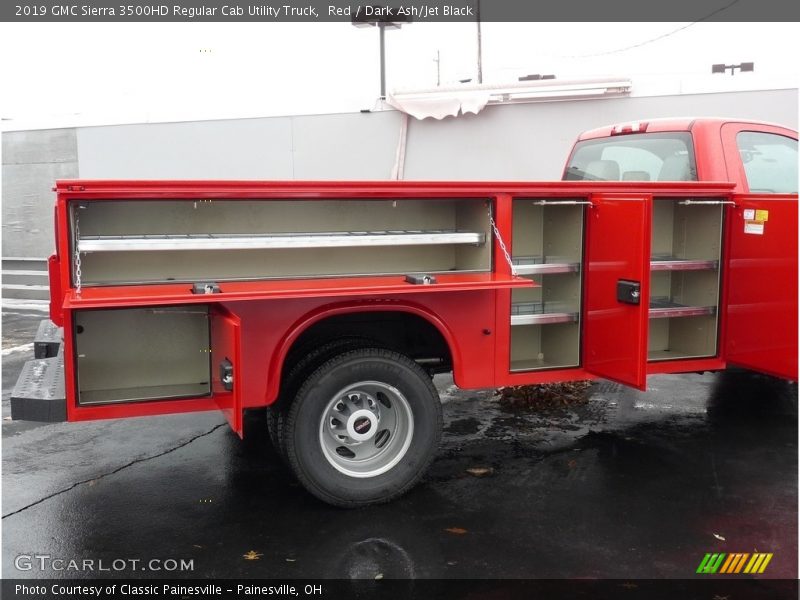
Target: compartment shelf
<point x="539" y="265"/>
<point x="540" y="313"/>
<point x="664" y="308"/>
<point x="131" y="242"/>
<point x="535" y="364"/>
<point x="335" y="239"/>
<point x="547" y="248"/>
<point x="685" y="264"/>
<point x="672" y="263"/>
<point x="143" y="393"/>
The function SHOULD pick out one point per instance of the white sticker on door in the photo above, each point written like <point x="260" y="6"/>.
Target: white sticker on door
<point x="754" y="227"/>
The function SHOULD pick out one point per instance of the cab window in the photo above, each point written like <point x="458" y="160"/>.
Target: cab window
<point x="634" y="157"/>
<point x="770" y="162"/>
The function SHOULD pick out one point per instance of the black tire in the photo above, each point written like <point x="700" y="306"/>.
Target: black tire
<point x="413" y="451"/>
<point x="305" y="364"/>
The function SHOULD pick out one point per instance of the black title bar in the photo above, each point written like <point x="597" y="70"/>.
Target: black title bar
<point x="394" y="10"/>
<point x="458" y="589"/>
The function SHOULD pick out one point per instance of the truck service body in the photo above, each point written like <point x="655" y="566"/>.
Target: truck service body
<point x="333" y="303"/>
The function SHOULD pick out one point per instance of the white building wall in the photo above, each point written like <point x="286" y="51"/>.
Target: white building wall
<point x="513" y="142"/>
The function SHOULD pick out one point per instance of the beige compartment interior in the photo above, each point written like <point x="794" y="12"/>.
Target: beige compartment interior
<point x="376" y="231"/>
<point x="139" y="354"/>
<point x="684" y="280"/>
<point x="548" y="248"/>
<point x="548" y="346"/>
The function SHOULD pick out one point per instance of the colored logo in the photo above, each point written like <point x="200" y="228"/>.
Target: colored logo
<point x="734" y="563"/>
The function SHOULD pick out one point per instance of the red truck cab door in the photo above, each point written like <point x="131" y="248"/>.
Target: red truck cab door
<point x="761" y="284"/>
<point x="761" y="307"/>
<point x="617" y="288"/>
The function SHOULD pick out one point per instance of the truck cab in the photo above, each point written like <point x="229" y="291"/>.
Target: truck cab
<point x="756" y="157"/>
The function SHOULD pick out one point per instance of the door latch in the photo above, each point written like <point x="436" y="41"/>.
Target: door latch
<point x="226" y="374"/>
<point x="206" y="287"/>
<point x="628" y="292"/>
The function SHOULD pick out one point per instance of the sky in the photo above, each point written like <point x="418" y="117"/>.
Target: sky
<point x="90" y="73"/>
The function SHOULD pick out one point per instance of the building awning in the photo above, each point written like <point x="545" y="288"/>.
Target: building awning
<point x="452" y="101"/>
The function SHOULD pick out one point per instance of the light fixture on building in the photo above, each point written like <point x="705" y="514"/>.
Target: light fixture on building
<point x="745" y="67"/>
<point x="535" y="77"/>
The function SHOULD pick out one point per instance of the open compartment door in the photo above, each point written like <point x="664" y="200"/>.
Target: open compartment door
<point x="761" y="307"/>
<point x="617" y="288"/>
<point x="226" y="365"/>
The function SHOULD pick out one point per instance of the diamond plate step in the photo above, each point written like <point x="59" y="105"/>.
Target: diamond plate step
<point x="39" y="394"/>
<point x="48" y="339"/>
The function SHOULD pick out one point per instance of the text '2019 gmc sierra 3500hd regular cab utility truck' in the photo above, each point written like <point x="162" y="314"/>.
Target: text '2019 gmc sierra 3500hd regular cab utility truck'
<point x="671" y="246"/>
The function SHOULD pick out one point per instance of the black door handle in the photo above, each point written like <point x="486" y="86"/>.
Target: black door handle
<point x="628" y="292"/>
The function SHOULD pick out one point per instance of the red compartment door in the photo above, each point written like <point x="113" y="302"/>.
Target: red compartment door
<point x="761" y="276"/>
<point x="225" y="351"/>
<point x="617" y="288"/>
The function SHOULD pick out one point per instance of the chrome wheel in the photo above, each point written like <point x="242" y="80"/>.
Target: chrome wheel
<point x="366" y="429"/>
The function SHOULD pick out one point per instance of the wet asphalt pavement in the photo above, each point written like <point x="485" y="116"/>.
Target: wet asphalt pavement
<point x="625" y="485"/>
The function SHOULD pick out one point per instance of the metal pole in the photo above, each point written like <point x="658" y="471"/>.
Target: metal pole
<point x="383" y="62"/>
<point x="480" y="49"/>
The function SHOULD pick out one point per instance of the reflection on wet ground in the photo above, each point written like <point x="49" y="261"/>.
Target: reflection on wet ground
<point x="624" y="485"/>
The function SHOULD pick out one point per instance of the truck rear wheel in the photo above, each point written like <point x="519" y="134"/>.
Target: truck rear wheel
<point x="363" y="427"/>
<point x="302" y="369"/>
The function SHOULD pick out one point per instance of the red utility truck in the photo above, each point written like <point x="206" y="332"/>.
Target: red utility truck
<point x="670" y="247"/>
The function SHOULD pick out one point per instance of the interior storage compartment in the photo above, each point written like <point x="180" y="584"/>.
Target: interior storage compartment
<point x="129" y="242"/>
<point x="126" y="355"/>
<point x="548" y="248"/>
<point x="684" y="279"/>
<point x="549" y="346"/>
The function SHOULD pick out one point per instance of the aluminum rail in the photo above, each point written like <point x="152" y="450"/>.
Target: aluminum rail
<point x="664" y="308"/>
<point x="682" y="264"/>
<point x="142" y="243"/>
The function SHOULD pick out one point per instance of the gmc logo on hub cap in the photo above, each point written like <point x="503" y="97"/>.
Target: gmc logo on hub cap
<point x="362" y="425"/>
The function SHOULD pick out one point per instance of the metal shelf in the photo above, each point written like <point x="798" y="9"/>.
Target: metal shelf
<point x="538" y="265"/>
<point x="540" y="313"/>
<point x="534" y="364"/>
<point x="664" y="308"/>
<point x="671" y="263"/>
<point x="336" y="239"/>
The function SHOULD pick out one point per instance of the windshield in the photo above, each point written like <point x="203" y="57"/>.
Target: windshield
<point x="634" y="157"/>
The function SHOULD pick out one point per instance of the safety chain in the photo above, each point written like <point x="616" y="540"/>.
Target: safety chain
<point x="77" y="255"/>
<point x="500" y="240"/>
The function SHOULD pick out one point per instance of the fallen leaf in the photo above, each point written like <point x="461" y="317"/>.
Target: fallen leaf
<point x="456" y="530"/>
<point x="252" y="555"/>
<point x="379" y="576"/>
<point x="480" y="471"/>
<point x="545" y="396"/>
<point x="572" y="464"/>
<point x="719" y="537"/>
